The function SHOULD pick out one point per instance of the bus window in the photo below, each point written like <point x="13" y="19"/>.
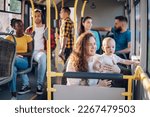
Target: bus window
<point x="148" y="64"/>
<point x="13" y="6"/>
<point x="137" y="29"/>
<point x="2" y="5"/>
<point x="5" y="21"/>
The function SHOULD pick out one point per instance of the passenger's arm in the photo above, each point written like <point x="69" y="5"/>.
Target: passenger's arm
<point x="102" y="28"/>
<point x="129" y="62"/>
<point x="64" y="39"/>
<point x="71" y="68"/>
<point x="127" y="50"/>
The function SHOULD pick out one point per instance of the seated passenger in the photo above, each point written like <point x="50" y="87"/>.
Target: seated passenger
<point x="122" y="35"/>
<point x="39" y="54"/>
<point x="24" y="45"/>
<point x="82" y="59"/>
<point x="86" y="24"/>
<point x="109" y="58"/>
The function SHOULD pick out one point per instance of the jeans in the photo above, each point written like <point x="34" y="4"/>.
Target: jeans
<point x="20" y="64"/>
<point x="40" y="58"/>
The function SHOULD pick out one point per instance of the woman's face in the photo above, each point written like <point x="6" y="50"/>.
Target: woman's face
<point x="87" y="24"/>
<point x="19" y="27"/>
<point x="91" y="47"/>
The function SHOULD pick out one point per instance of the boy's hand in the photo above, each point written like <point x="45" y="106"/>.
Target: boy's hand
<point x="97" y="66"/>
<point x="136" y="63"/>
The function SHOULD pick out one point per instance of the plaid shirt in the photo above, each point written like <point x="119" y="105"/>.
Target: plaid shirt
<point x="67" y="31"/>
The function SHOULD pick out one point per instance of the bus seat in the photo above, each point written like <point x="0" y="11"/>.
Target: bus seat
<point x="98" y="38"/>
<point x="64" y="92"/>
<point x="7" y="58"/>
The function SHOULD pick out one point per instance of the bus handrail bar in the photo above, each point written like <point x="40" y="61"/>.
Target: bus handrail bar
<point x="109" y="76"/>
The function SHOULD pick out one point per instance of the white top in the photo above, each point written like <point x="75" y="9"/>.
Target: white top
<point x="38" y="38"/>
<point x="109" y="60"/>
<point x="70" y="68"/>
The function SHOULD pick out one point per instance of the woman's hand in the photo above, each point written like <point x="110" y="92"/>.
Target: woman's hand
<point x="104" y="83"/>
<point x="20" y="56"/>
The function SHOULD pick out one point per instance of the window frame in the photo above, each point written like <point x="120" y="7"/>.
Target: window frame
<point x="148" y="37"/>
<point x="136" y="2"/>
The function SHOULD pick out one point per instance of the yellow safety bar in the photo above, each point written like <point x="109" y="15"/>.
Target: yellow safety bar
<point x="75" y="20"/>
<point x="140" y="75"/>
<point x="62" y="3"/>
<point x="48" y="14"/>
<point x="33" y="16"/>
<point x="83" y="8"/>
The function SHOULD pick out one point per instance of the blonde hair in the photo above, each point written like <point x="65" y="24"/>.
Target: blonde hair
<point x="106" y="40"/>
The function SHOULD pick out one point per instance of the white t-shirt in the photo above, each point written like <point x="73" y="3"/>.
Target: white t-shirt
<point x="70" y="68"/>
<point x="38" y="38"/>
<point x="109" y="60"/>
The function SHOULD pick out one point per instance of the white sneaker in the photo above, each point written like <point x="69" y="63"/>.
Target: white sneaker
<point x="13" y="98"/>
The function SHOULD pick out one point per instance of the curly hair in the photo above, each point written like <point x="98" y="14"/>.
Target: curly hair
<point x="14" y="21"/>
<point x="78" y="56"/>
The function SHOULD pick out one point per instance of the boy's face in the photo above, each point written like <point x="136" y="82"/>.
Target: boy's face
<point x="109" y="47"/>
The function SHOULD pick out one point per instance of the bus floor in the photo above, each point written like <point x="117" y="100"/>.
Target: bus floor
<point x="6" y="95"/>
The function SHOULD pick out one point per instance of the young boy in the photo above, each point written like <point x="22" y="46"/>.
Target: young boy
<point x="109" y="58"/>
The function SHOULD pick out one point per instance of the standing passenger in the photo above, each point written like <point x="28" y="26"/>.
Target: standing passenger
<point x="66" y="34"/>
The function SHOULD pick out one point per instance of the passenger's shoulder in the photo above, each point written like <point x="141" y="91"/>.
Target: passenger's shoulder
<point x="28" y="37"/>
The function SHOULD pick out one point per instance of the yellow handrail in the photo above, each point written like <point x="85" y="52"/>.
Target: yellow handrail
<point x="48" y="14"/>
<point x="62" y="3"/>
<point x="140" y="75"/>
<point x="83" y="8"/>
<point x="33" y="14"/>
<point x="75" y="20"/>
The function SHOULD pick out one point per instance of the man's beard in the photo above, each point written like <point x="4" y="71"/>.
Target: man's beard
<point x="118" y="29"/>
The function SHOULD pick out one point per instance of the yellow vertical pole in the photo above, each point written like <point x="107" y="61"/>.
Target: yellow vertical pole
<point x="83" y="8"/>
<point x="129" y="89"/>
<point x="33" y="16"/>
<point x="48" y="14"/>
<point x="62" y="3"/>
<point x="56" y="35"/>
<point x="75" y="19"/>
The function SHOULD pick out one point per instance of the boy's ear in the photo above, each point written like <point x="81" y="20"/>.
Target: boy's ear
<point x="102" y="48"/>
